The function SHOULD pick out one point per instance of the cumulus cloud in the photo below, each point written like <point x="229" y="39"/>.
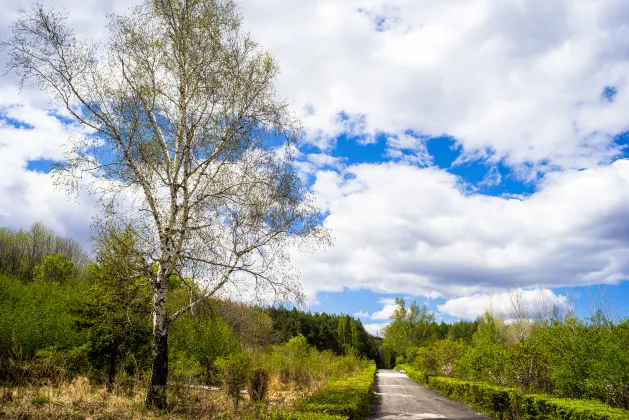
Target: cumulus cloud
<point x="375" y="328"/>
<point x="529" y="303"/>
<point x="361" y="314"/>
<point x="509" y="80"/>
<point x="387" y="310"/>
<point x="403" y="229"/>
<point x="29" y="133"/>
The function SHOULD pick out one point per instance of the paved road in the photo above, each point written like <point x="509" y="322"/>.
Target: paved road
<point x="399" y="397"/>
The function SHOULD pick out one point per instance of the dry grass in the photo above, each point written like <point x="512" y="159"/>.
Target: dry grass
<point x="80" y="399"/>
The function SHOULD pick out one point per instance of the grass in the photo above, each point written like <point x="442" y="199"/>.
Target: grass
<point x="81" y="399"/>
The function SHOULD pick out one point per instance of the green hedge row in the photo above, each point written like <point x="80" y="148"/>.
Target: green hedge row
<point x="541" y="407"/>
<point x="294" y="415"/>
<point x="496" y="402"/>
<point x="416" y="375"/>
<point x="510" y="403"/>
<point x="347" y="397"/>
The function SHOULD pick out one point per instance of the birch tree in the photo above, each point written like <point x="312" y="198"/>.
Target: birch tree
<point x="188" y="142"/>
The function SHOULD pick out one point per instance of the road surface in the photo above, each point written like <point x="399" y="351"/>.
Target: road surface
<point x="399" y="397"/>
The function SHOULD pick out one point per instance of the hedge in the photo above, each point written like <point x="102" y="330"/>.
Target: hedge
<point x="542" y="407"/>
<point x="347" y="397"/>
<point x="495" y="402"/>
<point x="294" y="415"/>
<point x="510" y="403"/>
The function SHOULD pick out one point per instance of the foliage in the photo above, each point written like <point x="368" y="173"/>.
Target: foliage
<point x="114" y="311"/>
<point x="511" y="403"/>
<point x="340" y="334"/>
<point x="439" y="357"/>
<point x="235" y="370"/>
<point x="416" y="375"/>
<point x="538" y="407"/>
<point x="197" y="339"/>
<point x="296" y="415"/>
<point x="350" y="397"/>
<point x="496" y="402"/>
<point x="409" y="327"/>
<point x="34" y="317"/>
<point x="55" y="268"/>
<point x="258" y="385"/>
<point x="299" y="363"/>
<point x="485" y="362"/>
<point x="23" y="250"/>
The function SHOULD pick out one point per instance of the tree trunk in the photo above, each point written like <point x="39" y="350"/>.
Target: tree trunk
<point x="156" y="394"/>
<point x="112" y="370"/>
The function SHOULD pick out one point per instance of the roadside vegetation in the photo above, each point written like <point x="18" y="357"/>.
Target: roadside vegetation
<point x="533" y="368"/>
<point x="75" y="341"/>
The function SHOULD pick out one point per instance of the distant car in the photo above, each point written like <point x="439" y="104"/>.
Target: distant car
<point x="402" y="372"/>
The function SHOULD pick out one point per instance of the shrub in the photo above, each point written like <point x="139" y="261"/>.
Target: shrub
<point x="292" y="415"/>
<point x="496" y="402"/>
<point x="349" y="397"/>
<point x="258" y="385"/>
<point x="416" y="375"/>
<point x="538" y="407"/>
<point x="235" y="373"/>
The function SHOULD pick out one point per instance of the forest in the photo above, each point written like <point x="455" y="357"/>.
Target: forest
<point x="74" y="328"/>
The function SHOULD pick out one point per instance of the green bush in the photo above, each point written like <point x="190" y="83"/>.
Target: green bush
<point x="496" y="402"/>
<point x="542" y="407"/>
<point x="292" y="415"/>
<point x="235" y="373"/>
<point x="299" y="363"/>
<point x="349" y="397"/>
<point x="416" y="375"/>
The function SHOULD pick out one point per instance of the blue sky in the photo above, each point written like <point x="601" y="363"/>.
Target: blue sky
<point x="456" y="148"/>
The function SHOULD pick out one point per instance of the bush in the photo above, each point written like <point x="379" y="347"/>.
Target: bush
<point x="538" y="407"/>
<point x="292" y="415"/>
<point x="258" y="385"/>
<point x="235" y="374"/>
<point x="349" y="397"/>
<point x="496" y="402"/>
<point x="299" y="363"/>
<point x="416" y="375"/>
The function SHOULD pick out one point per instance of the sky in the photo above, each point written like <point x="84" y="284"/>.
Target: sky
<point x="458" y="148"/>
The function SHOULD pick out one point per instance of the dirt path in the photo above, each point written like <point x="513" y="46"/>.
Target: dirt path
<point x="399" y="397"/>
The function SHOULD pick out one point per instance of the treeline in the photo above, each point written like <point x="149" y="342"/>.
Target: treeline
<point x="558" y="354"/>
<point x="23" y="250"/>
<point x="341" y="334"/>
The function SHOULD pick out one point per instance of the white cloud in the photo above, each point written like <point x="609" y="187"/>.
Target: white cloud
<point x="520" y="81"/>
<point x="361" y="314"/>
<point x="386" y="312"/>
<point x="27" y="196"/>
<point x="375" y="328"/>
<point x="530" y="303"/>
<point x="403" y="229"/>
